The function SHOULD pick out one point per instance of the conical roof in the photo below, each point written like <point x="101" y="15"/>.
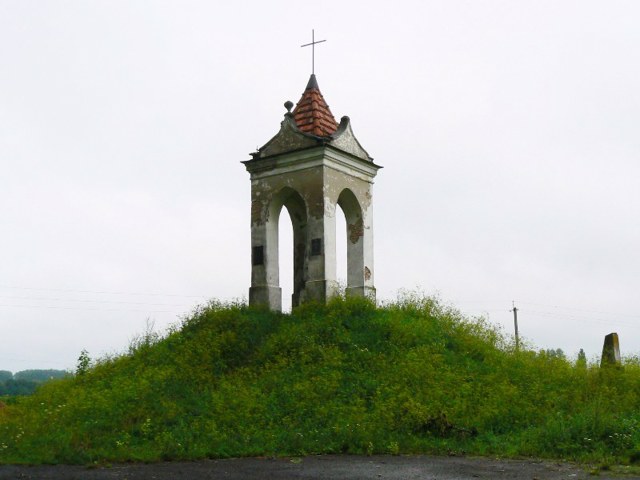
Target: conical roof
<point x="312" y="114"/>
<point x="311" y="124"/>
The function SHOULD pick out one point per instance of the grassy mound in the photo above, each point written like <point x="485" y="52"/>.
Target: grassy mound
<point x="347" y="377"/>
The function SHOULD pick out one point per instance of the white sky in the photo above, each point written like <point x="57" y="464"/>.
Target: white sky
<point x="509" y="133"/>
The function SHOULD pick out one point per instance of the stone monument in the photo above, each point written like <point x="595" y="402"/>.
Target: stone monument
<point x="610" y="351"/>
<point x="312" y="166"/>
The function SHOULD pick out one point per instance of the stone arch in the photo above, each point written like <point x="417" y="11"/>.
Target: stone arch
<point x="296" y="206"/>
<point x="353" y="214"/>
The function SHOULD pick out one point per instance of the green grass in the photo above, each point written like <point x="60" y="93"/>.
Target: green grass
<point x="410" y="377"/>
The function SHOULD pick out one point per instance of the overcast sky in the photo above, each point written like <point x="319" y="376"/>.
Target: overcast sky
<point x="509" y="132"/>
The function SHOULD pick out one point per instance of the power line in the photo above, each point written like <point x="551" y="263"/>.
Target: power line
<point x="104" y="292"/>
<point x="91" y="301"/>
<point x="583" y="310"/>
<point x="574" y="318"/>
<point x="54" y="307"/>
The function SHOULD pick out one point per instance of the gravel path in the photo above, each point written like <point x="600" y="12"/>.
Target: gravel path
<point x="316" y="468"/>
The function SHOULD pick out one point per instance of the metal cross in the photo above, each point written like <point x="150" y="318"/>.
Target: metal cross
<point x="313" y="50"/>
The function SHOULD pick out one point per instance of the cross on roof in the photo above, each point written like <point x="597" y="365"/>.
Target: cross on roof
<point x="313" y="50"/>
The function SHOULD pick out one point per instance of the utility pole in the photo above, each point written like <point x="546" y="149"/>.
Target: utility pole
<point x="515" y="324"/>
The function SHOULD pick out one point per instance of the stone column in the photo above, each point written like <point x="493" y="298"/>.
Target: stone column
<point x="321" y="282"/>
<point x="610" y="351"/>
<point x="367" y="253"/>
<point x="265" y="280"/>
<point x="360" y="249"/>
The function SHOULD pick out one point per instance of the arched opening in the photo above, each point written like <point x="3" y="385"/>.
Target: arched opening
<point x="341" y="249"/>
<point x="285" y="258"/>
<point x="352" y="210"/>
<point x="292" y="242"/>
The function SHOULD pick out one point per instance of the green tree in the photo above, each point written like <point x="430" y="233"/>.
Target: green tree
<point x="557" y="353"/>
<point x="84" y="362"/>
<point x="39" y="375"/>
<point x="581" y="362"/>
<point x="18" y="387"/>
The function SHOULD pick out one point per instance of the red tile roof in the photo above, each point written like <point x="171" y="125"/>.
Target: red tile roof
<point x="312" y="114"/>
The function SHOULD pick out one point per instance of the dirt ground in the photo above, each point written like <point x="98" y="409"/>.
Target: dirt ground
<point x="316" y="468"/>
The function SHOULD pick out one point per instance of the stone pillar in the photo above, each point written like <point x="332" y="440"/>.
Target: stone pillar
<point x="299" y="262"/>
<point x="610" y="351"/>
<point x="321" y="282"/>
<point x="358" y="213"/>
<point x="368" y="290"/>
<point x="265" y="277"/>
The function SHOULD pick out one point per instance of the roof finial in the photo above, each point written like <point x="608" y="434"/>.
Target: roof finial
<point x="313" y="50"/>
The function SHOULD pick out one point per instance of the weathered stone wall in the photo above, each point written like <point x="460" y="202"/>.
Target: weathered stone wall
<point x="311" y="184"/>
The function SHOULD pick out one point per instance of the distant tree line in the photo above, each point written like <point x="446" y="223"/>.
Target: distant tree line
<point x="26" y="381"/>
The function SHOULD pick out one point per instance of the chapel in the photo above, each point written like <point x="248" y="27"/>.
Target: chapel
<point x="311" y="167"/>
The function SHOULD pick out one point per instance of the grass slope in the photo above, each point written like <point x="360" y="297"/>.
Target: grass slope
<point x="347" y="377"/>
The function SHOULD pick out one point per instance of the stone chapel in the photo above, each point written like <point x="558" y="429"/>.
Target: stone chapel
<point x="312" y="166"/>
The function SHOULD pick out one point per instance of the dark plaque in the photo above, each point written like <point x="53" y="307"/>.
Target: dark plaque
<point x="257" y="255"/>
<point x="316" y="246"/>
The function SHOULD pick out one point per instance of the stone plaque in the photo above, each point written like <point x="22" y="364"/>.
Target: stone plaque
<point x="257" y="255"/>
<point x="316" y="246"/>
